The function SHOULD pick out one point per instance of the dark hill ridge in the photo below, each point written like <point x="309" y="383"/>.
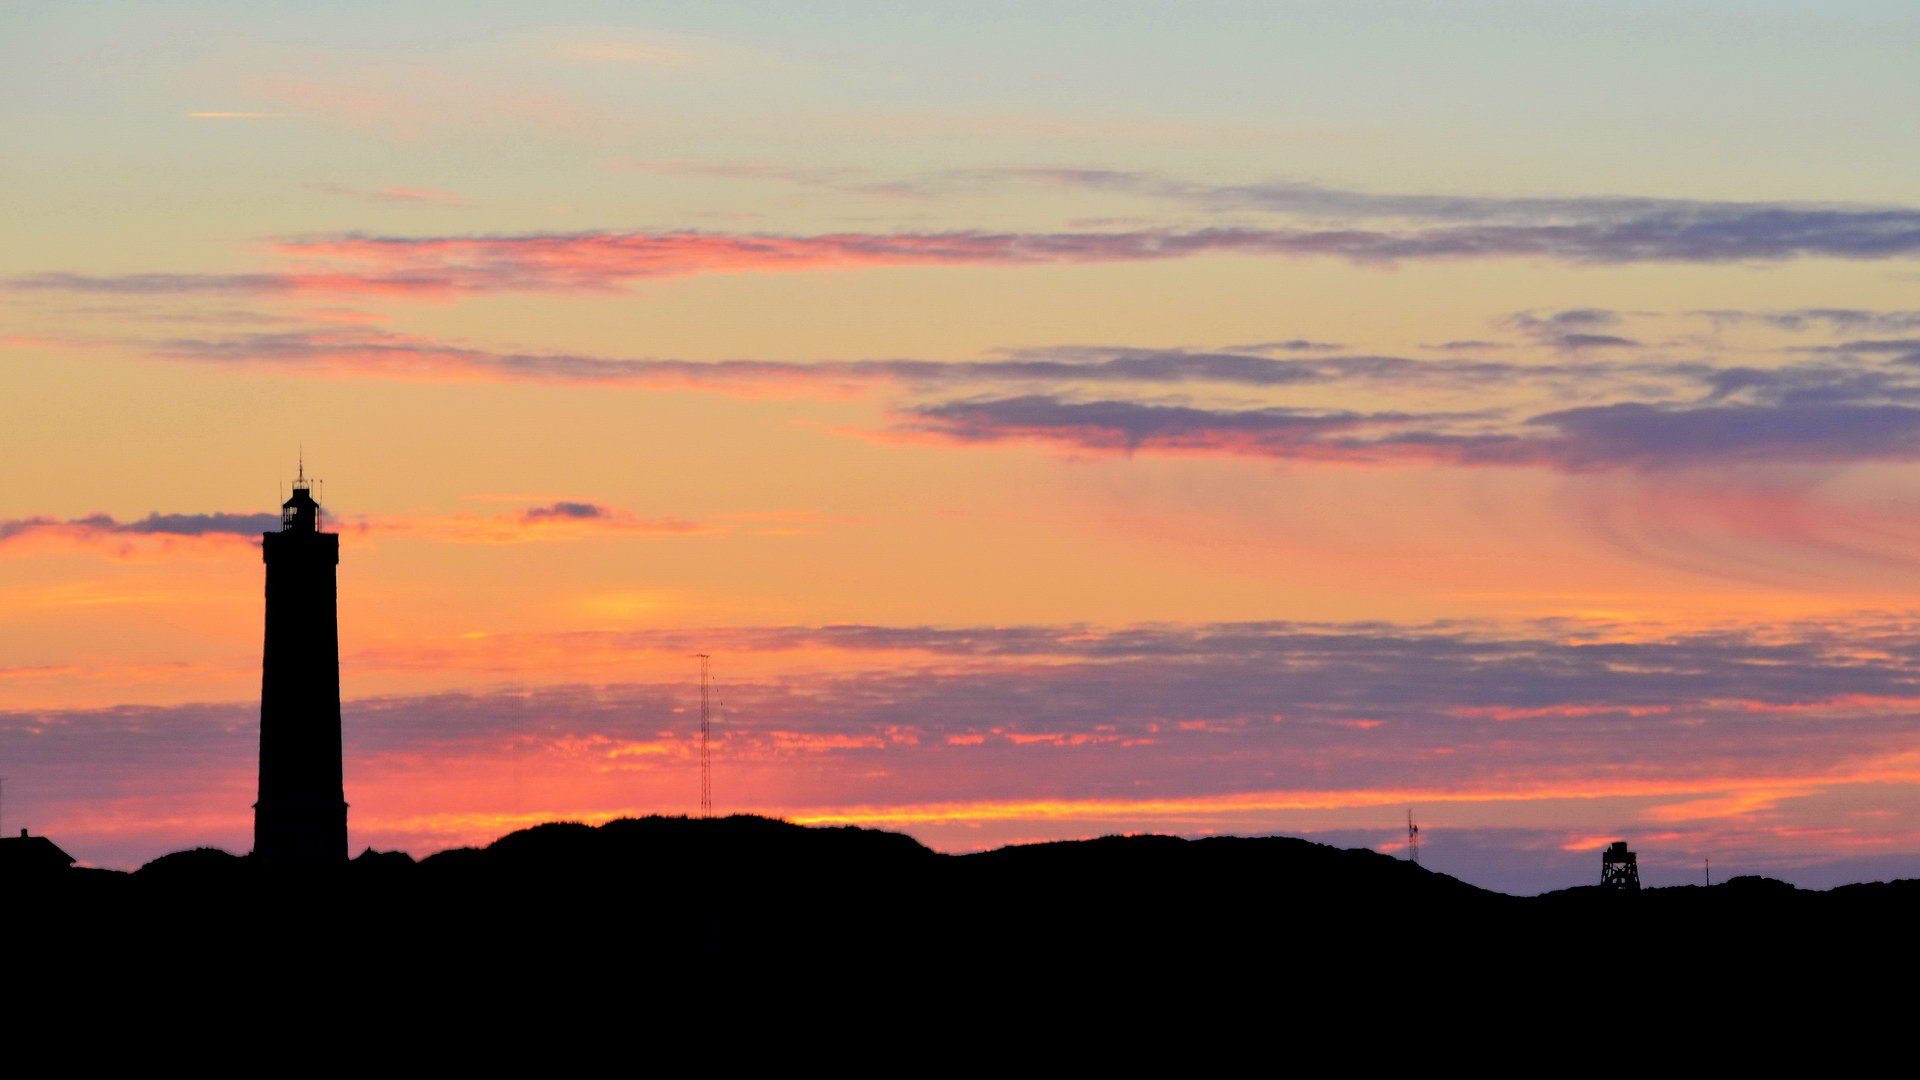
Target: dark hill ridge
<point x="812" y="866"/>
<point x="676" y="931"/>
<point x="740" y="838"/>
<point x="699" y="880"/>
<point x="744" y="863"/>
<point x="750" y="845"/>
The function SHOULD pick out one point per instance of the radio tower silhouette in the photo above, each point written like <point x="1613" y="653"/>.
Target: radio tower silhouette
<point x="1413" y="839"/>
<point x="706" y="725"/>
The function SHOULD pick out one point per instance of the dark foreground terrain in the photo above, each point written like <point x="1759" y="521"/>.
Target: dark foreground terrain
<point x="675" y="878"/>
<point x="663" y="912"/>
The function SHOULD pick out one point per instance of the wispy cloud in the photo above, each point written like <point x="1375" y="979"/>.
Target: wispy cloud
<point x="1571" y="330"/>
<point x="1290" y="345"/>
<point x="826" y="178"/>
<point x="401" y="286"/>
<point x="1904" y="351"/>
<point x="559" y="520"/>
<point x="1471" y="345"/>
<point x="442" y="266"/>
<point x="1624" y="435"/>
<point x="1712" y="233"/>
<point x="373" y="353"/>
<point x="1646" y="415"/>
<point x="1709" y="229"/>
<point x="18" y="535"/>
<point x="1839" y="320"/>
<point x="367" y="352"/>
<point x="556" y="521"/>
<point x="1576" y="342"/>
<point x="1129" y="427"/>
<point x="387" y="194"/>
<point x="1553" y="323"/>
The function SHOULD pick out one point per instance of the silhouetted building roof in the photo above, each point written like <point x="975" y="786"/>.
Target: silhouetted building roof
<point x="31" y="854"/>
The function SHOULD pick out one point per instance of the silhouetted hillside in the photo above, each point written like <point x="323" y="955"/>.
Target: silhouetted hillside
<point x="195" y="867"/>
<point x="742" y="842"/>
<point x="671" y="893"/>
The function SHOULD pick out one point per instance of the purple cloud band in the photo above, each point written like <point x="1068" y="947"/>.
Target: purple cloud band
<point x="155" y="524"/>
<point x="1577" y="231"/>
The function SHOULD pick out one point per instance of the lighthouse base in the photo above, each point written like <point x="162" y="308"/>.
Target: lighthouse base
<point x="300" y="830"/>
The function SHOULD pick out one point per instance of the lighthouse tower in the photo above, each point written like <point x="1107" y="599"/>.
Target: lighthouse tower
<point x="302" y="812"/>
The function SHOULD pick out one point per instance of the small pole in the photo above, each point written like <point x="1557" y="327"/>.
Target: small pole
<point x="706" y="722"/>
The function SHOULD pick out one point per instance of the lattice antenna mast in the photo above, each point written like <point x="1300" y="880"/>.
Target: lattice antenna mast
<point x="1413" y="839"/>
<point x="706" y="728"/>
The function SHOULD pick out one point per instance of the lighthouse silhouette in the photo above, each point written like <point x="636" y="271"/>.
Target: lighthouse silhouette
<point x="302" y="812"/>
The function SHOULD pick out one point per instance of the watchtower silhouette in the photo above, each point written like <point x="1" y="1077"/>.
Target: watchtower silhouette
<point x="302" y="812"/>
<point x="1619" y="869"/>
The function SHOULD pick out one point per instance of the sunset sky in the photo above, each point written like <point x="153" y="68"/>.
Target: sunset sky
<point x="1055" y="418"/>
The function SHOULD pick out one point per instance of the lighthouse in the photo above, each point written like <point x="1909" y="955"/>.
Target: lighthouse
<point x="302" y="812"/>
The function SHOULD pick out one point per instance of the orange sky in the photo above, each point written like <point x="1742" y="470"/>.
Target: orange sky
<point x="1045" y="442"/>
